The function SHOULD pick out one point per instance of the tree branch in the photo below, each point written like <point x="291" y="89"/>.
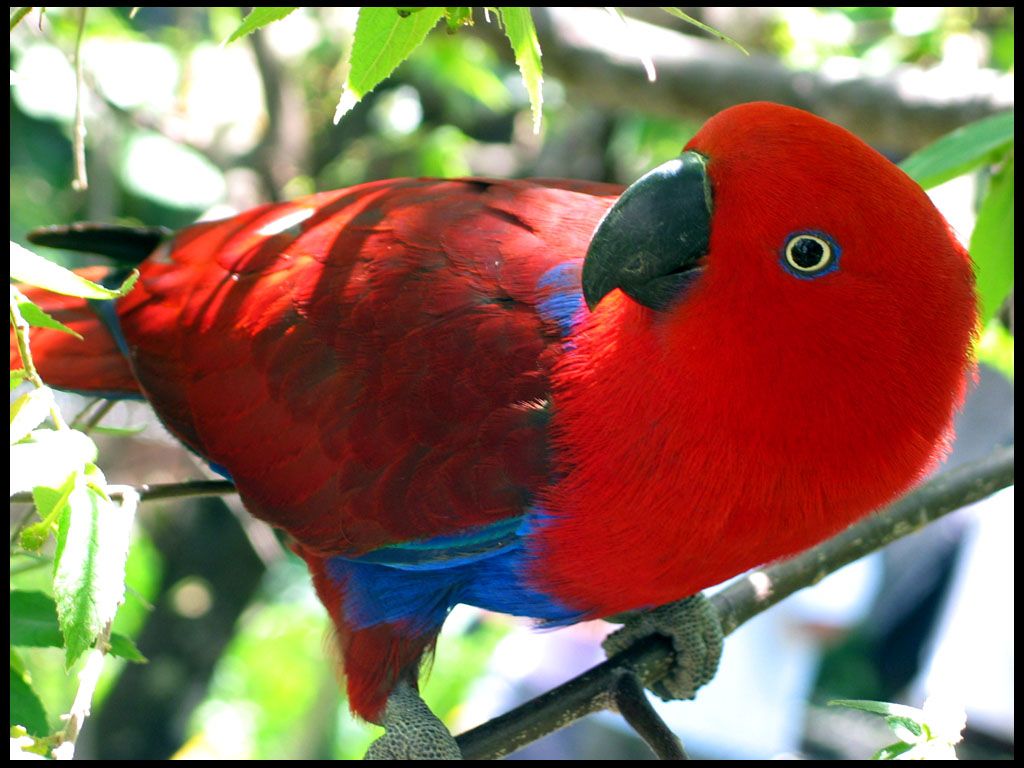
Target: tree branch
<point x="744" y="599"/>
<point x="630" y="700"/>
<point x="186" y="490"/>
<point x="81" y="180"/>
<point x="696" y="78"/>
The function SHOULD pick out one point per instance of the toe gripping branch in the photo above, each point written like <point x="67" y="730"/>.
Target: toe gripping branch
<point x="693" y="627"/>
<point x="674" y="649"/>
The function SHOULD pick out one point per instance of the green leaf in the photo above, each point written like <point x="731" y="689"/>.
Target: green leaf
<point x="26" y="708"/>
<point x="521" y="34"/>
<point x="992" y="242"/>
<point x="700" y="25"/>
<point x="29" y="411"/>
<point x="906" y="729"/>
<point x="37" y="318"/>
<point x="34" y="625"/>
<point x="878" y="707"/>
<point x="258" y="17"/>
<point x="30" y="268"/>
<point x="17" y="376"/>
<point x="892" y="751"/>
<point x="99" y="429"/>
<point x="996" y="348"/>
<point x="383" y="39"/>
<point x="50" y="503"/>
<point x="963" y="150"/>
<point x="123" y="647"/>
<point x="34" y="620"/>
<point x="47" y="457"/>
<point x="92" y="547"/>
<point x="19" y="14"/>
<point x="33" y="537"/>
<point x="458" y="16"/>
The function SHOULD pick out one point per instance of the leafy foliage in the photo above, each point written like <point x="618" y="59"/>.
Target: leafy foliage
<point x="924" y="734"/>
<point x="70" y="494"/>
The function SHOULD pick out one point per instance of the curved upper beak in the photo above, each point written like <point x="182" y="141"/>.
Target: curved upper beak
<point x="651" y="241"/>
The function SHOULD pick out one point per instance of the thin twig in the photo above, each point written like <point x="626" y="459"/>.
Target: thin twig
<point x="187" y="490"/>
<point x="651" y="658"/>
<point x="97" y="416"/>
<point x="21" y="333"/>
<point x="81" y="180"/>
<point x="88" y="679"/>
<point x="629" y="699"/>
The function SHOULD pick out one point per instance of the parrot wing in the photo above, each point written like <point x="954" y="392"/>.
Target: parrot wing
<point x="370" y="366"/>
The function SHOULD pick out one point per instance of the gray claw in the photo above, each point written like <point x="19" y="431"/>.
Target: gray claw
<point x="693" y="627"/>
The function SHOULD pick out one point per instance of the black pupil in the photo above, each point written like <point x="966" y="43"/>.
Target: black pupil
<point x="807" y="253"/>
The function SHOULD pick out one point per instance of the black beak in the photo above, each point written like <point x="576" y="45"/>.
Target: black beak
<point x="651" y="241"/>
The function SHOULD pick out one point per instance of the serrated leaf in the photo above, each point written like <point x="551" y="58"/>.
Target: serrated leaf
<point x="522" y="36"/>
<point x="123" y="647"/>
<point x="48" y="457"/>
<point x="34" y="625"/>
<point x="34" y="620"/>
<point x="701" y="25"/>
<point x="960" y="151"/>
<point x="29" y="411"/>
<point x="28" y="267"/>
<point x="17" y="377"/>
<point x="992" y="242"/>
<point x="37" y="318"/>
<point x="257" y="18"/>
<point x="88" y="583"/>
<point x="383" y="39"/>
<point x="26" y="708"/>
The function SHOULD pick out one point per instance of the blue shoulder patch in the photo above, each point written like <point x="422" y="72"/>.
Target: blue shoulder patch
<point x="420" y="582"/>
<point x="563" y="295"/>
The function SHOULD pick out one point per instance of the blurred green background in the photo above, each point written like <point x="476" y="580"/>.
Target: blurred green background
<point x="182" y="126"/>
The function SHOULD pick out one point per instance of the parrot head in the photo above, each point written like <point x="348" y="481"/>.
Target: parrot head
<point x="804" y="316"/>
<point x="772" y="196"/>
<point x="797" y="241"/>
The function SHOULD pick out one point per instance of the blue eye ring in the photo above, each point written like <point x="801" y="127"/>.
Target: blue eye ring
<point x="809" y="254"/>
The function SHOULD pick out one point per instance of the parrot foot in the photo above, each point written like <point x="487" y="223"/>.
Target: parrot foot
<point x="412" y="731"/>
<point x="693" y="626"/>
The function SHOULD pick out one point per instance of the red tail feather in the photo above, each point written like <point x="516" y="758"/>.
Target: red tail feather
<point x="93" y="363"/>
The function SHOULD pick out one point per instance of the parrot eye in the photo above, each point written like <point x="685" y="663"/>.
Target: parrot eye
<point x="810" y="254"/>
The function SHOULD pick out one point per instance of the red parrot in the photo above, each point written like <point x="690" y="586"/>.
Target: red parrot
<point x="550" y="398"/>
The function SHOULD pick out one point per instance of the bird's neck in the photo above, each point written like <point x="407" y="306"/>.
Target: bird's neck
<point x="679" y="468"/>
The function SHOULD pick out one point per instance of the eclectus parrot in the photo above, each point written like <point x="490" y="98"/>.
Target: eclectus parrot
<point x="549" y="398"/>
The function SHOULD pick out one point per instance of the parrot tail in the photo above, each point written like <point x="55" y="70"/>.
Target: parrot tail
<point x="125" y="245"/>
<point x="372" y="660"/>
<point x="97" y="363"/>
